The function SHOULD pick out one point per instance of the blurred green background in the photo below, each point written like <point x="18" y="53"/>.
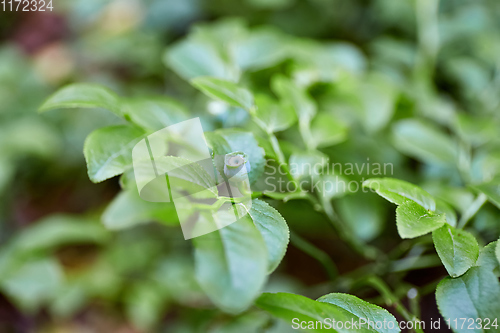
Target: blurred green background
<point x="368" y="63"/>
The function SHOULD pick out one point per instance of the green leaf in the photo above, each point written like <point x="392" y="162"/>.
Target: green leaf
<point x="231" y="264"/>
<point x="71" y="298"/>
<point x="307" y="164"/>
<point x="154" y="114"/>
<point x="273" y="116"/>
<point x="332" y="187"/>
<point x="424" y="141"/>
<point x="127" y="210"/>
<point x="366" y="223"/>
<point x="497" y="251"/>
<point x="176" y="275"/>
<point x="194" y="57"/>
<point x="378" y="100"/>
<point x="274" y="230"/>
<point x="489" y="259"/>
<point x="227" y="141"/>
<point x="443" y="208"/>
<point x="398" y="191"/>
<point x="290" y="93"/>
<point x="296" y="309"/>
<point x="225" y="91"/>
<point x="108" y="151"/>
<point x="185" y="170"/>
<point x="327" y="131"/>
<point x="184" y="176"/>
<point x="58" y="230"/>
<point x="145" y="305"/>
<point x="30" y="136"/>
<point x="263" y="48"/>
<point x="33" y="283"/>
<point x="457" y="249"/>
<point x="476" y="129"/>
<point x="362" y="310"/>
<point x="491" y="189"/>
<point x="83" y="95"/>
<point x="476" y="294"/>
<point x="414" y="220"/>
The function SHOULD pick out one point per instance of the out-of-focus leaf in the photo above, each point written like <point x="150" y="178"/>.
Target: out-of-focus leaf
<point x="33" y="283"/>
<point x="414" y="220"/>
<point x="332" y="187"/>
<point x="176" y="276"/>
<point x="326" y="62"/>
<point x="458" y="197"/>
<point x="424" y="142"/>
<point x="145" y="305"/>
<point x="274" y="230"/>
<point x="399" y="191"/>
<point x="327" y="131"/>
<point x="225" y="91"/>
<point x="471" y="75"/>
<point x="108" y="151"/>
<point x="491" y="189"/>
<point x="366" y="223"/>
<point x="70" y="298"/>
<point x="83" y="95"/>
<point x="232" y="264"/>
<point x="485" y="166"/>
<point x="476" y="129"/>
<point x="474" y="295"/>
<point x="273" y="116"/>
<point x="307" y="164"/>
<point x="195" y="57"/>
<point x="127" y="210"/>
<point x="457" y="249"/>
<point x="28" y="136"/>
<point x="154" y="114"/>
<point x="300" y="101"/>
<point x="58" y="230"/>
<point x="378" y="99"/>
<point x="270" y="4"/>
<point x="251" y="322"/>
<point x="262" y="48"/>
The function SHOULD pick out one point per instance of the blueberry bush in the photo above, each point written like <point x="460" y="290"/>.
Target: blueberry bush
<point x="369" y="133"/>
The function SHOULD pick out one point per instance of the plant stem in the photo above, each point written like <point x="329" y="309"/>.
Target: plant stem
<point x="274" y="143"/>
<point x="391" y="299"/>
<point x="313" y="251"/>
<point x="412" y="263"/>
<point x="305" y="133"/>
<point x="345" y="233"/>
<point x="281" y="157"/>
